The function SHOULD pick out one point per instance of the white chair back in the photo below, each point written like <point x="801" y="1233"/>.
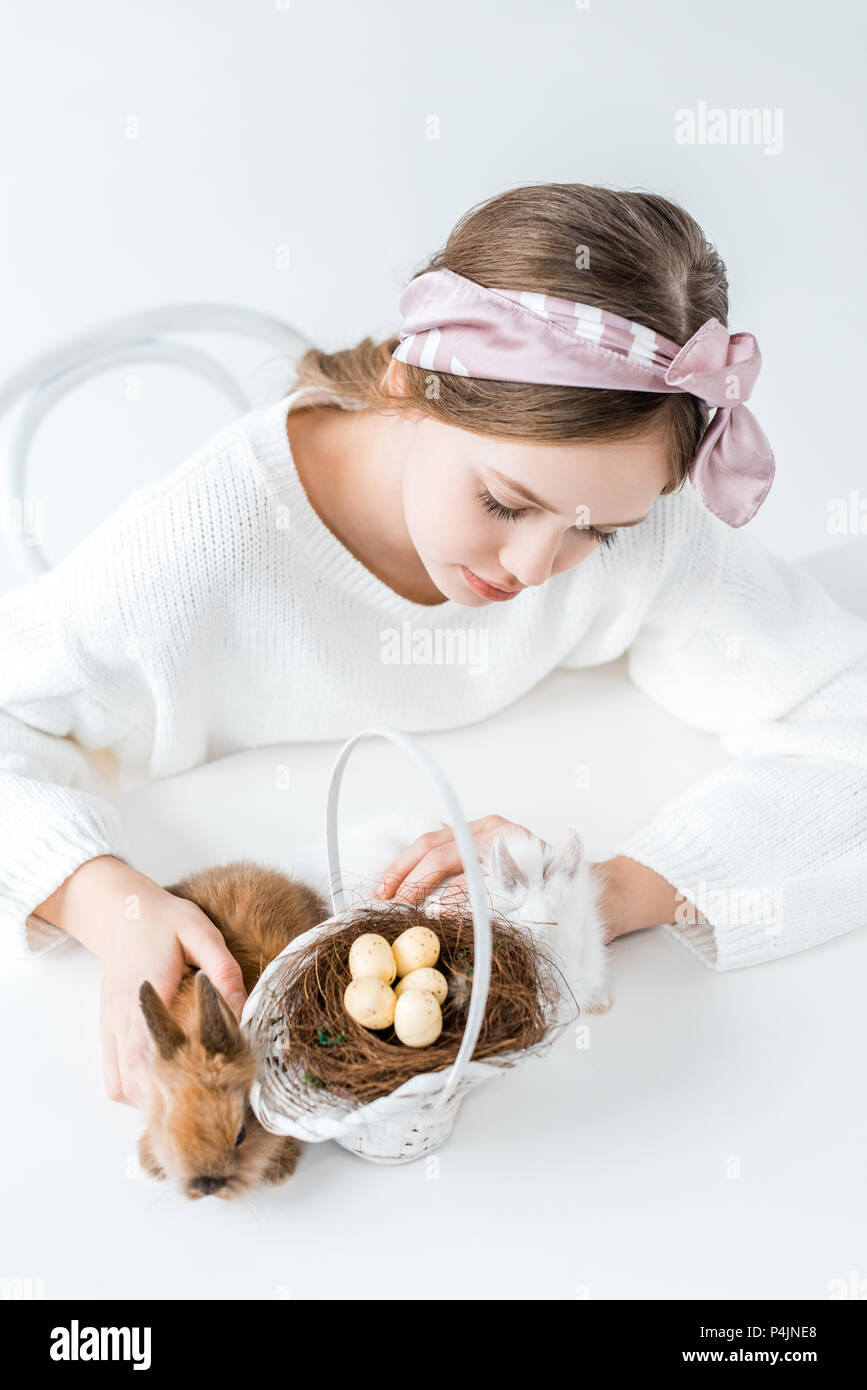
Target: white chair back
<point x="117" y="342"/>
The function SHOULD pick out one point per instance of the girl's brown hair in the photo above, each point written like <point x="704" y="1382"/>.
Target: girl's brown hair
<point x="636" y="254"/>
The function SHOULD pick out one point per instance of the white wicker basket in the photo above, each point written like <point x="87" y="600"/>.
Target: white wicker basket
<point x="418" y="1116"/>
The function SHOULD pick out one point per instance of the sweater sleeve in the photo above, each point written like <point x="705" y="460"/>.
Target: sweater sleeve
<point x="54" y="810"/>
<point x="772" y="848"/>
<point x="102" y="672"/>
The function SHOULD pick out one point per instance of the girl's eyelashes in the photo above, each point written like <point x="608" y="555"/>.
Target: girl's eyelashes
<point x="514" y="513"/>
<point x="498" y="508"/>
<point x="605" y="537"/>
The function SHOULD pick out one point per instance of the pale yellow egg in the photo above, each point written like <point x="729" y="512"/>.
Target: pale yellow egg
<point x="418" y="1019"/>
<point x="426" y="978"/>
<point x="370" y="1001"/>
<point x="417" y="948"/>
<point x="370" y="954"/>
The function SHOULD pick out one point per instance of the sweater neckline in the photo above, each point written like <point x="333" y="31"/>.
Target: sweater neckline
<point x="271" y="446"/>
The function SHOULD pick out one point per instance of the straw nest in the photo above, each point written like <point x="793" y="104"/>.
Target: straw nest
<point x="328" y="1057"/>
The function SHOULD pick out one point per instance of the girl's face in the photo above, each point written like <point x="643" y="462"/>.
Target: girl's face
<point x="473" y="527"/>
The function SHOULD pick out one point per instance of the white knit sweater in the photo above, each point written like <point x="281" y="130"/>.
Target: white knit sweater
<point x="214" y="611"/>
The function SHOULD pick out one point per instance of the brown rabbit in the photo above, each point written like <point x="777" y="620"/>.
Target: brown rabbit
<point x="200" y="1128"/>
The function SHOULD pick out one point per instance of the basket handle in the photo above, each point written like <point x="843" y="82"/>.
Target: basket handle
<point x="472" y="868"/>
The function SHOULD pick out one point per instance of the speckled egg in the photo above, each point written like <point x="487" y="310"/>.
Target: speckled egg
<point x="370" y="1001"/>
<point x="426" y="978"/>
<point x="371" y="954"/>
<point x="418" y="1019"/>
<point x="417" y="948"/>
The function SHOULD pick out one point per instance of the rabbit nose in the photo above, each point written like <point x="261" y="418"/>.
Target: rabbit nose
<point x="208" y="1185"/>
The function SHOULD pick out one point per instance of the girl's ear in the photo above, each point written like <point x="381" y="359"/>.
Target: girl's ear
<point x="218" y="1027"/>
<point x="395" y="378"/>
<point x="165" y="1031"/>
<point x="569" y="859"/>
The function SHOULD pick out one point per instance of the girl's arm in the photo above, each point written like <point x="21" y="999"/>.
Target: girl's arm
<point x="772" y="847"/>
<point x="634" y="897"/>
<point x="83" y="652"/>
<point x="55" y="813"/>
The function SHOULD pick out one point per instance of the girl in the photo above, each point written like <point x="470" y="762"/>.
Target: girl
<point x="530" y="461"/>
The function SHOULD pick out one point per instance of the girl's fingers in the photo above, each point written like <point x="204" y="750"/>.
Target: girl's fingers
<point x="110" y="1071"/>
<point x="133" y="1094"/>
<point x="205" y="947"/>
<point x="135" y="1063"/>
<point x="432" y="857"/>
<point x="457" y="891"/>
<point x="438" y="864"/>
<point x="410" y="858"/>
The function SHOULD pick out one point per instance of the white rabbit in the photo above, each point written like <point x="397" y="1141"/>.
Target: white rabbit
<point x="557" y="897"/>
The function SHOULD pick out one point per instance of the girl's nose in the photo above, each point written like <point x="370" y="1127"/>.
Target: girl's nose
<point x="529" y="563"/>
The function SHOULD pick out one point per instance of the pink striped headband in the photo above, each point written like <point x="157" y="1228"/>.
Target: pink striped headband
<point x="451" y="324"/>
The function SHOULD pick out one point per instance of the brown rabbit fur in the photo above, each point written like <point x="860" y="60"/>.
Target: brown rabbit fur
<point x="200" y="1130"/>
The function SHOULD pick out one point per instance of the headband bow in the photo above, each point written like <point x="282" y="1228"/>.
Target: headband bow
<point x="452" y="324"/>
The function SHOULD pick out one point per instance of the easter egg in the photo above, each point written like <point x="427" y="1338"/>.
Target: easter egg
<point x="426" y="978"/>
<point x="417" y="948"/>
<point x="370" y="1001"/>
<point x="370" y="954"/>
<point x="418" y="1019"/>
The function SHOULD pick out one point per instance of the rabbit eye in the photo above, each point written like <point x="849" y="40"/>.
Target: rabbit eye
<point x="241" y="1133"/>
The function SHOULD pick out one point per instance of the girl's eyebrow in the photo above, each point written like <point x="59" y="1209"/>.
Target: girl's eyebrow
<point x="530" y="497"/>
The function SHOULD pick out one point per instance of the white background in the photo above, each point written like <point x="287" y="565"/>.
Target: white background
<point x="260" y="128"/>
<point x="267" y="133"/>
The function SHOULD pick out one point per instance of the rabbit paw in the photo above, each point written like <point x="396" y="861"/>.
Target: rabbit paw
<point x="599" y="1006"/>
<point x="283" y="1164"/>
<point x="146" y="1159"/>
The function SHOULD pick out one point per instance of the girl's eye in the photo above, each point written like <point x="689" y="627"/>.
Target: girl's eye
<point x="498" y="508"/>
<point x="513" y="513"/>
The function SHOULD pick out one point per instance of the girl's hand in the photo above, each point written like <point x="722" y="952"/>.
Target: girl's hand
<point x="172" y="934"/>
<point x="432" y="857"/>
<point x="140" y="932"/>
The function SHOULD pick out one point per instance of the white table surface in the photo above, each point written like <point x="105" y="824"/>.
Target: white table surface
<point x="600" y="1173"/>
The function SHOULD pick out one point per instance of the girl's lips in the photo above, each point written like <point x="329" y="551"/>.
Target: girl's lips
<point x="487" y="590"/>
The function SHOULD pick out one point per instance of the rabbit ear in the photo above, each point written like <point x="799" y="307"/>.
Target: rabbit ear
<point x="569" y="858"/>
<point x="504" y="866"/>
<point x="165" y="1031"/>
<point x="218" y="1029"/>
